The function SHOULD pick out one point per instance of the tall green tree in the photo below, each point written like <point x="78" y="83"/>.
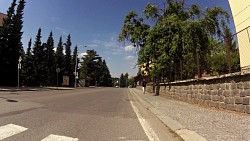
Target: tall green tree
<point x="60" y="61"/>
<point x="105" y="78"/>
<point x="95" y="70"/>
<point x="39" y="60"/>
<point x="50" y="60"/>
<point x="68" y="58"/>
<point x="69" y="69"/>
<point x="75" y="62"/>
<point x="28" y="67"/>
<point x="178" y="41"/>
<point x="10" y="43"/>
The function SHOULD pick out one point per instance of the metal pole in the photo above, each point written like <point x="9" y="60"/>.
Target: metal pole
<point x="75" y="69"/>
<point x="57" y="80"/>
<point x="18" y="75"/>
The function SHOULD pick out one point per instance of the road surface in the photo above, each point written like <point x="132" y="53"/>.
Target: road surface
<point x="89" y="114"/>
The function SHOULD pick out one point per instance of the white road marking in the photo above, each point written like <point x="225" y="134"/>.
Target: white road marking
<point x="10" y="130"/>
<point x="146" y="127"/>
<point x="52" y="137"/>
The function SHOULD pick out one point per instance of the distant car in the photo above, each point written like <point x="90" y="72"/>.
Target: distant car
<point x="116" y="86"/>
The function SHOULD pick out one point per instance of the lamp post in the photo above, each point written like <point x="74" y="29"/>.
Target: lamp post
<point x="18" y="68"/>
<point x="76" y="74"/>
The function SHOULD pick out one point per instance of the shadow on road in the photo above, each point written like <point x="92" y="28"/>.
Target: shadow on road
<point x="9" y="100"/>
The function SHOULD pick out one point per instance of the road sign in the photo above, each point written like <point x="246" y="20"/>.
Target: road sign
<point x="58" y="70"/>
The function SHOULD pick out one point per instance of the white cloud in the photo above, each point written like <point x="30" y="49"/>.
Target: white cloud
<point x="64" y="51"/>
<point x="63" y="30"/>
<point x="83" y="54"/>
<point x="129" y="48"/>
<point x="55" y="19"/>
<point x="130" y="57"/>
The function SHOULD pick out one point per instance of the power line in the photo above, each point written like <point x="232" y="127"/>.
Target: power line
<point x="241" y="11"/>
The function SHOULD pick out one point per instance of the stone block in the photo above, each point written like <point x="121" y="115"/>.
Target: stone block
<point x="209" y="92"/>
<point x="216" y="98"/>
<point x="238" y="100"/>
<point x="242" y="93"/>
<point x="231" y="107"/>
<point x="248" y="109"/>
<point x="220" y="92"/>
<point x="240" y="85"/>
<point x="207" y="102"/>
<point x="208" y="87"/>
<point x="228" y="86"/>
<point x="247" y="92"/>
<point x="226" y="93"/>
<point x="235" y="92"/>
<point x="246" y="85"/>
<point x="217" y="104"/>
<point x="233" y="86"/>
<point x="223" y="86"/>
<point x="214" y="92"/>
<point x="227" y="100"/>
<point x="212" y="104"/>
<point x="231" y="100"/>
<point x="241" y="108"/>
<point x="222" y="98"/>
<point x="222" y="105"/>
<point x="208" y="97"/>
<point x="203" y="87"/>
<point x="190" y="87"/>
<point x="246" y="100"/>
<point x="205" y="91"/>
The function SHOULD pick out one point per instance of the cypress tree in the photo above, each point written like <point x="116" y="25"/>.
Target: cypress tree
<point x="60" y="61"/>
<point x="5" y="52"/>
<point x="50" y="60"/>
<point x="68" y="59"/>
<point x="106" y="77"/>
<point x="28" y="67"/>
<point x="39" y="60"/>
<point x="75" y="63"/>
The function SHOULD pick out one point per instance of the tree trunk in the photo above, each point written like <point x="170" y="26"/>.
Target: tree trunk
<point x="153" y="84"/>
<point x="157" y="92"/>
<point x="228" y="56"/>
<point x="181" y="65"/>
<point x="198" y="65"/>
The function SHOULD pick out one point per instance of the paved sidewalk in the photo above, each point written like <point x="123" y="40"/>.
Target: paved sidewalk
<point x="34" y="88"/>
<point x="193" y="122"/>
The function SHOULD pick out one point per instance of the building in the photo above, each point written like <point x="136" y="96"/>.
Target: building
<point x="241" y="16"/>
<point x="1" y="18"/>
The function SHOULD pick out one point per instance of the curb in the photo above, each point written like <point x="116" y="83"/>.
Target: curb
<point x="176" y="127"/>
<point x="34" y="89"/>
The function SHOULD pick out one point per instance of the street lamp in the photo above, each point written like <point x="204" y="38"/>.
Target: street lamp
<point x="76" y="74"/>
<point x="18" y="68"/>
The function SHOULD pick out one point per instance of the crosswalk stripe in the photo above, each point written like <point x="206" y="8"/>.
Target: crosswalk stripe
<point x="10" y="130"/>
<point x="52" y="137"/>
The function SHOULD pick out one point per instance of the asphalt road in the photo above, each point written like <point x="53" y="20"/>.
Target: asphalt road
<point x="89" y="114"/>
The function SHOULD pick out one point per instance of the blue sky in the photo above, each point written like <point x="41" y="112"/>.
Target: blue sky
<point x="94" y="23"/>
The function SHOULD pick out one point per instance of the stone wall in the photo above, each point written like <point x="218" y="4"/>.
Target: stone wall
<point x="231" y="92"/>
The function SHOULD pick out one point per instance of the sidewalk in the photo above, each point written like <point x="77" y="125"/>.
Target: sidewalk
<point x="34" y="88"/>
<point x="196" y="123"/>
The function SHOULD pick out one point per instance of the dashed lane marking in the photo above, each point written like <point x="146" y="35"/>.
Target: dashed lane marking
<point x="52" y="137"/>
<point x="10" y="130"/>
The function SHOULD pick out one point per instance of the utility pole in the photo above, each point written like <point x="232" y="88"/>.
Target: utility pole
<point x="18" y="68"/>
